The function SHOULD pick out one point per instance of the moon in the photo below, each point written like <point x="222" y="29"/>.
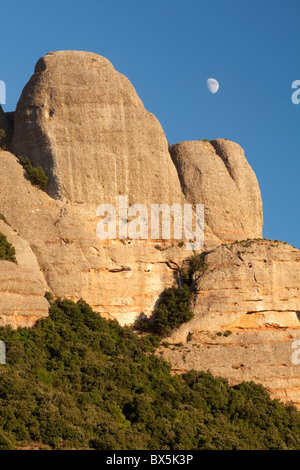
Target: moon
<point x="212" y="85"/>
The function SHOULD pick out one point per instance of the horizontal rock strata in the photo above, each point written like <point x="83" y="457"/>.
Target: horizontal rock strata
<point x="246" y="317"/>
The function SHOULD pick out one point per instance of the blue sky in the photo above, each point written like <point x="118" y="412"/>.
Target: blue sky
<point x="168" y="48"/>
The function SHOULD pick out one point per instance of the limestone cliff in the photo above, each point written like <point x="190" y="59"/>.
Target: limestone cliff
<point x="84" y="124"/>
<point x="119" y="278"/>
<point x="218" y="175"/>
<point x="22" y="285"/>
<point x="246" y="317"/>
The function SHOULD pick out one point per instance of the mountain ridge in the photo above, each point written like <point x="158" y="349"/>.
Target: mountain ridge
<point x="84" y="124"/>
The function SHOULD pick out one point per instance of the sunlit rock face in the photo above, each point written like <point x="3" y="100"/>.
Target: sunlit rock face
<point x="246" y="317"/>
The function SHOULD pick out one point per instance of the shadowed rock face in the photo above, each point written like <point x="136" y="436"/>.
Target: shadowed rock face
<point x="218" y="175"/>
<point x="6" y="130"/>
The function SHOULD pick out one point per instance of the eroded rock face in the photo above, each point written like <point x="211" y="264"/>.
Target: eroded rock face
<point x="246" y="317"/>
<point x="118" y="278"/>
<point x="267" y="357"/>
<point x="250" y="284"/>
<point x="218" y="175"/>
<point x="83" y="122"/>
<point x="22" y="285"/>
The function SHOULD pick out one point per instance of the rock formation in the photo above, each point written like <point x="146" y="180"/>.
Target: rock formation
<point x="119" y="278"/>
<point x="22" y="286"/>
<point x="247" y="284"/>
<point x="246" y="317"/>
<point x="218" y="175"/>
<point x="83" y="123"/>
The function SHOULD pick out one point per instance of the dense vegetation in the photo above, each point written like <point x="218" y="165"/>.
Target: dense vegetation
<point x="76" y="380"/>
<point x="2" y="136"/>
<point x="172" y="311"/>
<point x="36" y="175"/>
<point x="7" y="251"/>
<point x="174" y="305"/>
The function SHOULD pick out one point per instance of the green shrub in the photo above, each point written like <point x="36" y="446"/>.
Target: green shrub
<point x="49" y="296"/>
<point x="36" y="175"/>
<point x="7" y="251"/>
<point x="172" y="311"/>
<point x="196" y="263"/>
<point x="5" y="441"/>
<point x="227" y="333"/>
